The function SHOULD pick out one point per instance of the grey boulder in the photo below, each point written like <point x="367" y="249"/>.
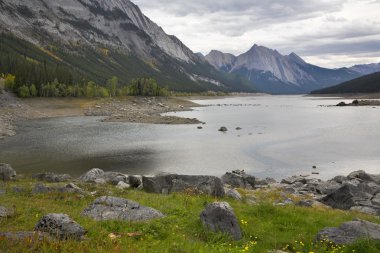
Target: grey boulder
<point x="6" y="212"/>
<point x="220" y="217"/>
<point x="60" y="226"/>
<point x="294" y="179"/>
<point x="112" y="208"/>
<point x="232" y="193"/>
<point x="7" y="173"/>
<point x="51" y="177"/>
<point x="239" y="179"/>
<point x="328" y="187"/>
<point x="350" y="232"/>
<point x="99" y="176"/>
<point x="177" y="183"/>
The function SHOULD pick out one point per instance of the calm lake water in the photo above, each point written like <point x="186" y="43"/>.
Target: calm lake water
<point x="280" y="136"/>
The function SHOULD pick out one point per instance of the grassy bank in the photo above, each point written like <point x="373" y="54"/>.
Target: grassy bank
<point x="265" y="226"/>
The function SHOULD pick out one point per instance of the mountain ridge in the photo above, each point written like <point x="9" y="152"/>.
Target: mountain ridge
<point x="117" y="28"/>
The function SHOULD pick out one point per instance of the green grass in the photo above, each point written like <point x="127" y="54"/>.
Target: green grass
<point x="265" y="227"/>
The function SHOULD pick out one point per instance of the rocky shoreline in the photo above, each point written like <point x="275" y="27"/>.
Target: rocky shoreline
<point x="357" y="192"/>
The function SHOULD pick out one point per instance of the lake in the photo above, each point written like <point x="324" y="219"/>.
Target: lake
<point x="280" y="136"/>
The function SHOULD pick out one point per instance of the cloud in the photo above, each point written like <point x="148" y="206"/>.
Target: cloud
<point x="310" y="28"/>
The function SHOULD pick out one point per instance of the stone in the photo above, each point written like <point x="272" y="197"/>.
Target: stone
<point x="342" y="104"/>
<point x="177" y="183"/>
<point x="98" y="176"/>
<point x="73" y="188"/>
<point x="135" y="181"/>
<point x="123" y="186"/>
<point x="232" y="193"/>
<point x="366" y="210"/>
<point x="350" y="232"/>
<point x="340" y="179"/>
<point x="239" y="179"/>
<point x="220" y="217"/>
<point x="40" y="188"/>
<point x="51" y="177"/>
<point x="348" y="196"/>
<point x="7" y="173"/>
<point x="60" y="226"/>
<point x="6" y="212"/>
<point x="112" y="208"/>
<point x="294" y="179"/>
<point x="376" y="199"/>
<point x="328" y="187"/>
<point x="361" y="175"/>
<point x="223" y="129"/>
<point x="91" y="176"/>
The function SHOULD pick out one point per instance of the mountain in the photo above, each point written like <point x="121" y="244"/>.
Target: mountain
<point x="104" y="38"/>
<point x="366" y="69"/>
<point x="275" y="73"/>
<point x="365" y="84"/>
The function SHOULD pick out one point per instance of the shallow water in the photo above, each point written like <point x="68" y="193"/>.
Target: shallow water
<point x="280" y="136"/>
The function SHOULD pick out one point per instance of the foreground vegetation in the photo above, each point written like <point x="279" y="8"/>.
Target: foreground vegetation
<point x="265" y="226"/>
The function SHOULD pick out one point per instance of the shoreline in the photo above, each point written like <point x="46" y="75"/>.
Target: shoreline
<point x="347" y="95"/>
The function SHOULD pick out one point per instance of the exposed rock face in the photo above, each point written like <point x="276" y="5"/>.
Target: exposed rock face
<point x="111" y="208"/>
<point x="220" y="217"/>
<point x="177" y="183"/>
<point x="350" y="232"/>
<point x="52" y="178"/>
<point x="6" y="172"/>
<point x="239" y="179"/>
<point x="60" y="226"/>
<point x="276" y="73"/>
<point x="99" y="176"/>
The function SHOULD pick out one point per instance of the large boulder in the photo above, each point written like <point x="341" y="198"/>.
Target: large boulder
<point x="6" y="172"/>
<point x="362" y="176"/>
<point x="232" y="193"/>
<point x="177" y="183"/>
<point x="220" y="217"/>
<point x="112" y="208"/>
<point x="328" y="187"/>
<point x="350" y="232"/>
<point x="99" y="176"/>
<point x="349" y="196"/>
<point x="239" y="179"/>
<point x="51" y="177"/>
<point x="60" y="226"/>
<point x="294" y="179"/>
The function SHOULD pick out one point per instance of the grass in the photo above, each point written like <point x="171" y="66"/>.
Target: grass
<point x="265" y="226"/>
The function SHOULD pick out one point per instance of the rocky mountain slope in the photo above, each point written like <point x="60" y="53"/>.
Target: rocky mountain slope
<point x="112" y="34"/>
<point x="276" y="73"/>
<point x="366" y="69"/>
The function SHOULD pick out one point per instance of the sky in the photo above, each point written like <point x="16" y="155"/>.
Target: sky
<point x="328" y="33"/>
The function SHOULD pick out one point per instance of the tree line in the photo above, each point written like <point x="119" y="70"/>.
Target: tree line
<point x="90" y="89"/>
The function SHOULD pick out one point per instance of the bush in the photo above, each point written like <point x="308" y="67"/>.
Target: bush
<point x="24" y="92"/>
<point x="9" y="82"/>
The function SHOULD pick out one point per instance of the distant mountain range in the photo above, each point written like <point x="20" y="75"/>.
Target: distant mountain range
<point x="104" y="38"/>
<point x="275" y="73"/>
<point x="365" y="84"/>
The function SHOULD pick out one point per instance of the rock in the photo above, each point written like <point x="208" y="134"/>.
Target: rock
<point x="350" y="232"/>
<point x="18" y="189"/>
<point x="91" y="175"/>
<point x="74" y="188"/>
<point x="135" y="181"/>
<point x="239" y="179"/>
<point x="340" y="179"/>
<point x="362" y="176"/>
<point x="294" y="179"/>
<point x="327" y="187"/>
<point x="6" y="172"/>
<point x="60" y="226"/>
<point x="239" y="128"/>
<point x="232" y="193"/>
<point x="342" y="104"/>
<point x="6" y="212"/>
<point x="51" y="177"/>
<point x="176" y="183"/>
<point x="199" y="127"/>
<point x="220" y="217"/>
<point x="111" y="208"/>
<point x="365" y="209"/>
<point x="122" y="186"/>
<point x="305" y="203"/>
<point x="223" y="129"/>
<point x="98" y="176"/>
<point x="349" y="196"/>
<point x="41" y="188"/>
<point x="376" y="199"/>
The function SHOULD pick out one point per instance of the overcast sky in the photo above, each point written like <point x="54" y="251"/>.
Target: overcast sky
<point x="329" y="33"/>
